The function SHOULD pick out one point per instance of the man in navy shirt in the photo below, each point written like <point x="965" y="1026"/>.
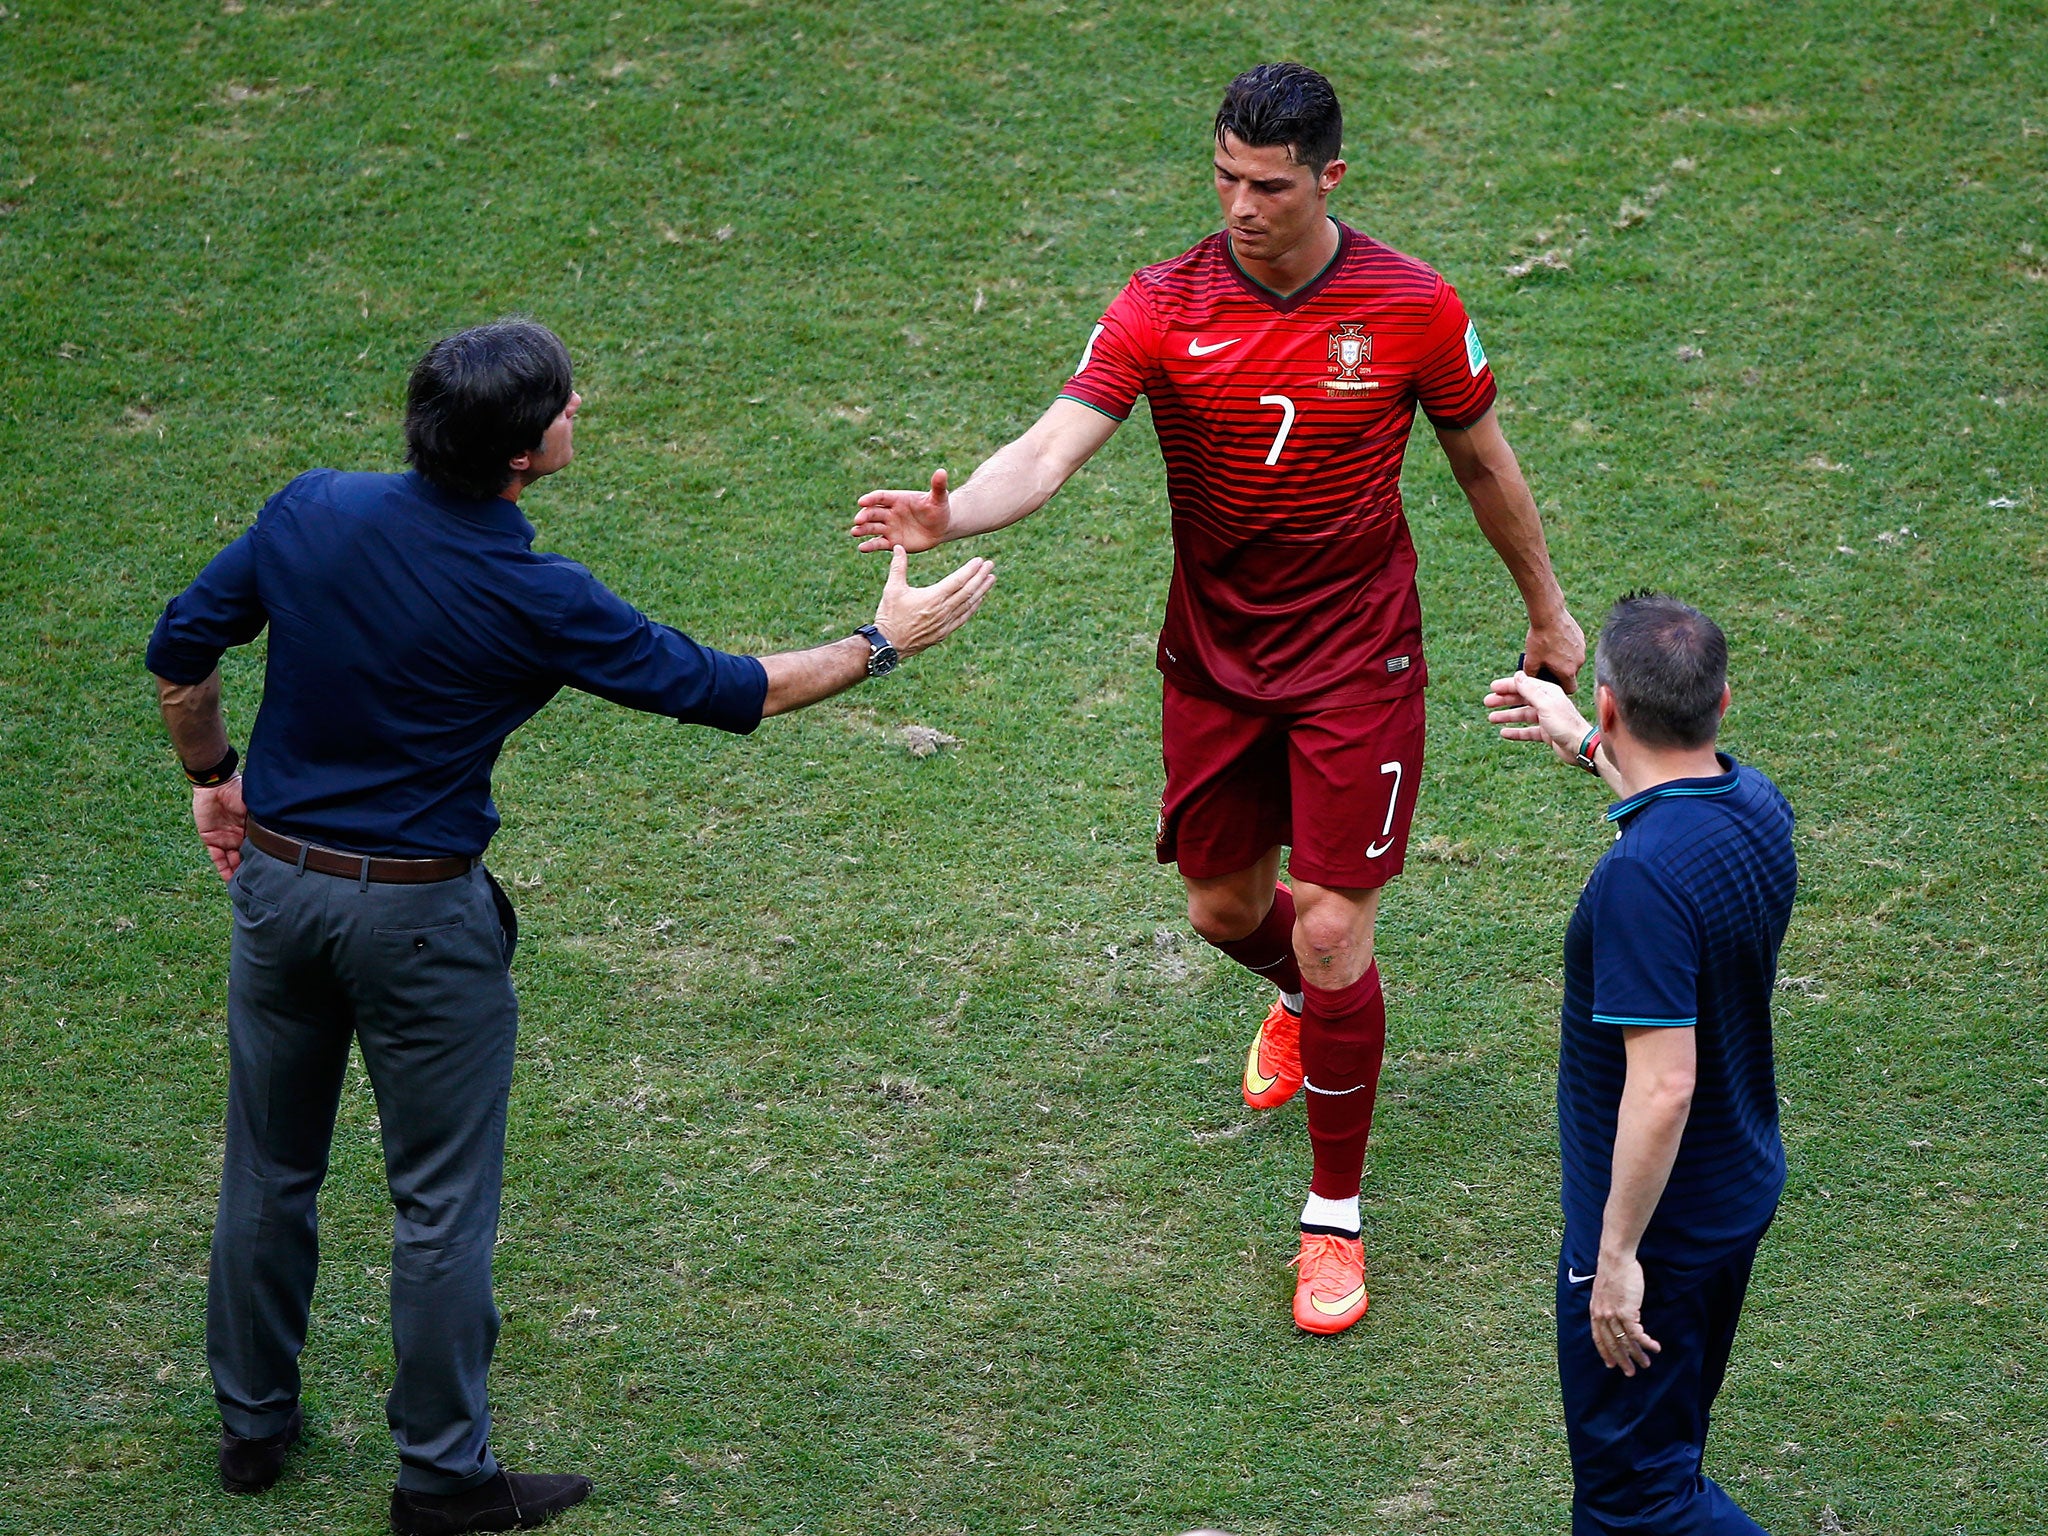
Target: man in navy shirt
<point x="413" y="627"/>
<point x="1667" y="1110"/>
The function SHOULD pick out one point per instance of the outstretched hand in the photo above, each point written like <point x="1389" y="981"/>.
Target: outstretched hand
<point x="222" y="820"/>
<point x="1528" y="709"/>
<point x="913" y="520"/>
<point x="915" y="618"/>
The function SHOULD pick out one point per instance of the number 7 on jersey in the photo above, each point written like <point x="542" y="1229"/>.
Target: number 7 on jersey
<point x="1286" y="424"/>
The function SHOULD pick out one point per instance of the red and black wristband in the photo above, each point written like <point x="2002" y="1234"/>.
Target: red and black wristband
<point x="218" y="774"/>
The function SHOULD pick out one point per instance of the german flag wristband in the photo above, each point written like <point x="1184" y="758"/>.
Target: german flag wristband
<point x="218" y="774"/>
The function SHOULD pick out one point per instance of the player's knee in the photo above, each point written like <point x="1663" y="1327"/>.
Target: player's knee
<point x="1335" y="936"/>
<point x="1223" y="917"/>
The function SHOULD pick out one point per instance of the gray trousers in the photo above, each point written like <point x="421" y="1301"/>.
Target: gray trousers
<point x="420" y="975"/>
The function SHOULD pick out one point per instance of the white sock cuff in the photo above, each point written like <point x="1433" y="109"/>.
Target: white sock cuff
<point x="1341" y="1214"/>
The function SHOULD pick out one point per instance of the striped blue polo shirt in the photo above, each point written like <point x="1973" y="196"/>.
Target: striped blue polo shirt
<point x="1680" y="926"/>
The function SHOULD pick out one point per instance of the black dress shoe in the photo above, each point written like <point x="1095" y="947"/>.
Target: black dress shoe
<point x="510" y="1501"/>
<point x="250" y="1466"/>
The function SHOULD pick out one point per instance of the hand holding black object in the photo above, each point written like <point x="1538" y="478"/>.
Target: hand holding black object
<point x="1558" y="647"/>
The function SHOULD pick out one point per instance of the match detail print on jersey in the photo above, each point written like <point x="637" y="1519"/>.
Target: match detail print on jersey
<point x="1283" y="421"/>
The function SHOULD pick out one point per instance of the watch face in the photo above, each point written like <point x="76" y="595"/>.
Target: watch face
<point x="882" y="656"/>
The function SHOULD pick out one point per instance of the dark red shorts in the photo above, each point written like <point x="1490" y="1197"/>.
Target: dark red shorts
<point x="1336" y="785"/>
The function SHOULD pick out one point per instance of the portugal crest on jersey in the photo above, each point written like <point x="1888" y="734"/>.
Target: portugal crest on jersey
<point x="1350" y="352"/>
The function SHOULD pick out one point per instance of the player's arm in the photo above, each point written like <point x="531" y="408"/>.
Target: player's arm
<point x="1491" y="478"/>
<point x="1016" y="481"/>
<point x="1656" y="1102"/>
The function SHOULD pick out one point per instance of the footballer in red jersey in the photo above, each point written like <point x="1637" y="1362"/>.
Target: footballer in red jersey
<point x="1284" y="359"/>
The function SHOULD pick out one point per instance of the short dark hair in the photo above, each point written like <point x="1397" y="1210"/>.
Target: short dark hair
<point x="1284" y="104"/>
<point x="1666" y="664"/>
<point x="479" y="399"/>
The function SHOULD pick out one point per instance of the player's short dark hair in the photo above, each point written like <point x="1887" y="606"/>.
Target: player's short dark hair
<point x="1284" y="104"/>
<point x="1666" y="664"/>
<point x="479" y="399"/>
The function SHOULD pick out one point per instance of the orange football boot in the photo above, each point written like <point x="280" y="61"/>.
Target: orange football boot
<point x="1272" y="1067"/>
<point x="1329" y="1286"/>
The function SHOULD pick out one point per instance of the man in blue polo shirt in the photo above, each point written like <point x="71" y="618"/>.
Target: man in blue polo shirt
<point x="413" y="627"/>
<point x="1667" y="1109"/>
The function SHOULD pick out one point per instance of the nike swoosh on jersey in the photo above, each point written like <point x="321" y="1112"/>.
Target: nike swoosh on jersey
<point x="1253" y="1081"/>
<point x="1575" y="1277"/>
<point x="1338" y="1307"/>
<point x="1196" y="349"/>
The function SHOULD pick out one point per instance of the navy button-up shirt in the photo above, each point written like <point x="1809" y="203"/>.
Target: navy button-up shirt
<point x="411" y="632"/>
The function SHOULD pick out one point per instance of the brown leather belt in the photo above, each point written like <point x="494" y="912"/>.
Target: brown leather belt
<point x="358" y="866"/>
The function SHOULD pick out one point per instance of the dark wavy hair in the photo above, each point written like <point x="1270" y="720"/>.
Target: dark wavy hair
<point x="1284" y="104"/>
<point x="479" y="399"/>
<point x="1666" y="664"/>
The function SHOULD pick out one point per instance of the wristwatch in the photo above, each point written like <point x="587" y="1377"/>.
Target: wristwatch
<point x="882" y="656"/>
<point x="1589" y="750"/>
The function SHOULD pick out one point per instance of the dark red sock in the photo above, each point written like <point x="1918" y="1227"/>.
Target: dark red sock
<point x="1269" y="948"/>
<point x="1343" y="1041"/>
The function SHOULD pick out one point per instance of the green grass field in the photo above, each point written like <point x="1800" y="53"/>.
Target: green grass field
<point x="876" y="1158"/>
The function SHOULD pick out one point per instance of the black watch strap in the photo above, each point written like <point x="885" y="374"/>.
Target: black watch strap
<point x="883" y="657"/>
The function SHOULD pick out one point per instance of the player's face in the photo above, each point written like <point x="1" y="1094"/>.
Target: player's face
<point x="557" y="444"/>
<point x="1271" y="203"/>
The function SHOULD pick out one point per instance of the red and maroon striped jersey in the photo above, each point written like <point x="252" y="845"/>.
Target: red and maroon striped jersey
<point x="1282" y="422"/>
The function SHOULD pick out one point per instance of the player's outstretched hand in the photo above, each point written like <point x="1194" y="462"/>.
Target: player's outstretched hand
<point x="915" y="618"/>
<point x="222" y="821"/>
<point x="1528" y="709"/>
<point x="914" y="519"/>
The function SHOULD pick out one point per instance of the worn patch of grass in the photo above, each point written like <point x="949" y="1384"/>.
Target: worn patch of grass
<point x="875" y="1155"/>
